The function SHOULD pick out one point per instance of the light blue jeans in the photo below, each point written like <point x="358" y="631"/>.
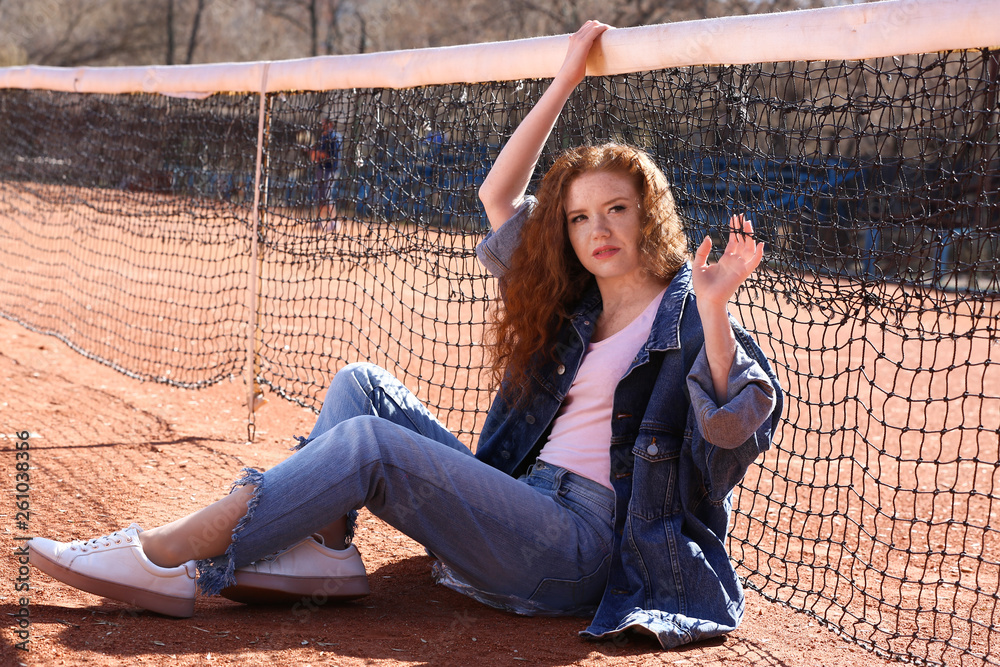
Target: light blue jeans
<point x="539" y="545"/>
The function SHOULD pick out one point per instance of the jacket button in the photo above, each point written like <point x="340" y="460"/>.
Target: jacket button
<point x="560" y="370"/>
<point x="505" y="455"/>
<point x="652" y="450"/>
<point x="530" y="419"/>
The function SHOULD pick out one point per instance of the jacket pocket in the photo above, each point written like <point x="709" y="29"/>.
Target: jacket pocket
<point x="655" y="492"/>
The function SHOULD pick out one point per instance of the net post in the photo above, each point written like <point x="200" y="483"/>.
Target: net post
<point x="254" y="395"/>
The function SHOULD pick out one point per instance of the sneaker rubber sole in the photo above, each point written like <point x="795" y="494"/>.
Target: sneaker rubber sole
<point x="262" y="588"/>
<point x="168" y="605"/>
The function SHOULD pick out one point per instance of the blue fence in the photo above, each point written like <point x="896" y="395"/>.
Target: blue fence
<point x="800" y="196"/>
<point x="831" y="216"/>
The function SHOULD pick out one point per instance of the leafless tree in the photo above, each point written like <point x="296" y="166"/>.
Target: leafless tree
<point x="58" y="32"/>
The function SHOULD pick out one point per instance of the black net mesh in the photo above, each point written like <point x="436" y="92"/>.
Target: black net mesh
<point x="124" y="224"/>
<point x="128" y="231"/>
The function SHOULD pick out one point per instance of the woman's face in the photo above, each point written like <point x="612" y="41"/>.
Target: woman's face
<point x="603" y="219"/>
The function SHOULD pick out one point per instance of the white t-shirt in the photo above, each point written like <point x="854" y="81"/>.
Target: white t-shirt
<point x="580" y="440"/>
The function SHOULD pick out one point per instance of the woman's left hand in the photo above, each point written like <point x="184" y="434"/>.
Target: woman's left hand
<point x="716" y="283"/>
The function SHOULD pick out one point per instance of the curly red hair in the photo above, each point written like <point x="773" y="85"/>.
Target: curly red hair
<point x="545" y="280"/>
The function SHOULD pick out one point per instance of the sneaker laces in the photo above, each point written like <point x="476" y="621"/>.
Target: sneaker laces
<point x="102" y="541"/>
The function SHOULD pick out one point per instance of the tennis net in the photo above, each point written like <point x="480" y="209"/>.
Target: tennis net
<point x="274" y="221"/>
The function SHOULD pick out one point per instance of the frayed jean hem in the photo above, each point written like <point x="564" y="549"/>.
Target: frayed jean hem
<point x="216" y="573"/>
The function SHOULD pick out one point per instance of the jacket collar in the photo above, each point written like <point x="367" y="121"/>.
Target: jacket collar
<point x="665" y="333"/>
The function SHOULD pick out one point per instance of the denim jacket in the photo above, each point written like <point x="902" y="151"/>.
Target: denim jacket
<point x="675" y="458"/>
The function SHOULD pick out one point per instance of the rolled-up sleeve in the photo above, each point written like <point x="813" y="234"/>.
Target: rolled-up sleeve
<point x="751" y="400"/>
<point x="497" y="247"/>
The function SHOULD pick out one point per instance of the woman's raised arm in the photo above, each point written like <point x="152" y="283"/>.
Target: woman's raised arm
<point x="714" y="285"/>
<point x="503" y="190"/>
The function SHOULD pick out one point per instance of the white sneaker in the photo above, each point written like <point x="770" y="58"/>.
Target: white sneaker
<point x="305" y="570"/>
<point x="115" y="567"/>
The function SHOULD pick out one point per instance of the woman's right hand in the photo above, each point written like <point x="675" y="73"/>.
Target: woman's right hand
<point x="574" y="67"/>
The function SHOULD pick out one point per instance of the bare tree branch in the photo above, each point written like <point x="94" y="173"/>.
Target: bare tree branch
<point x="195" y="23"/>
<point x="286" y="10"/>
<point x="170" y="32"/>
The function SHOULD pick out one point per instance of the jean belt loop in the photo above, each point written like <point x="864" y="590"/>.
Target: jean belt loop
<point x="560" y="480"/>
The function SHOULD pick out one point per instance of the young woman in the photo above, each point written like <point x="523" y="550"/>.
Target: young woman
<point x="601" y="485"/>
